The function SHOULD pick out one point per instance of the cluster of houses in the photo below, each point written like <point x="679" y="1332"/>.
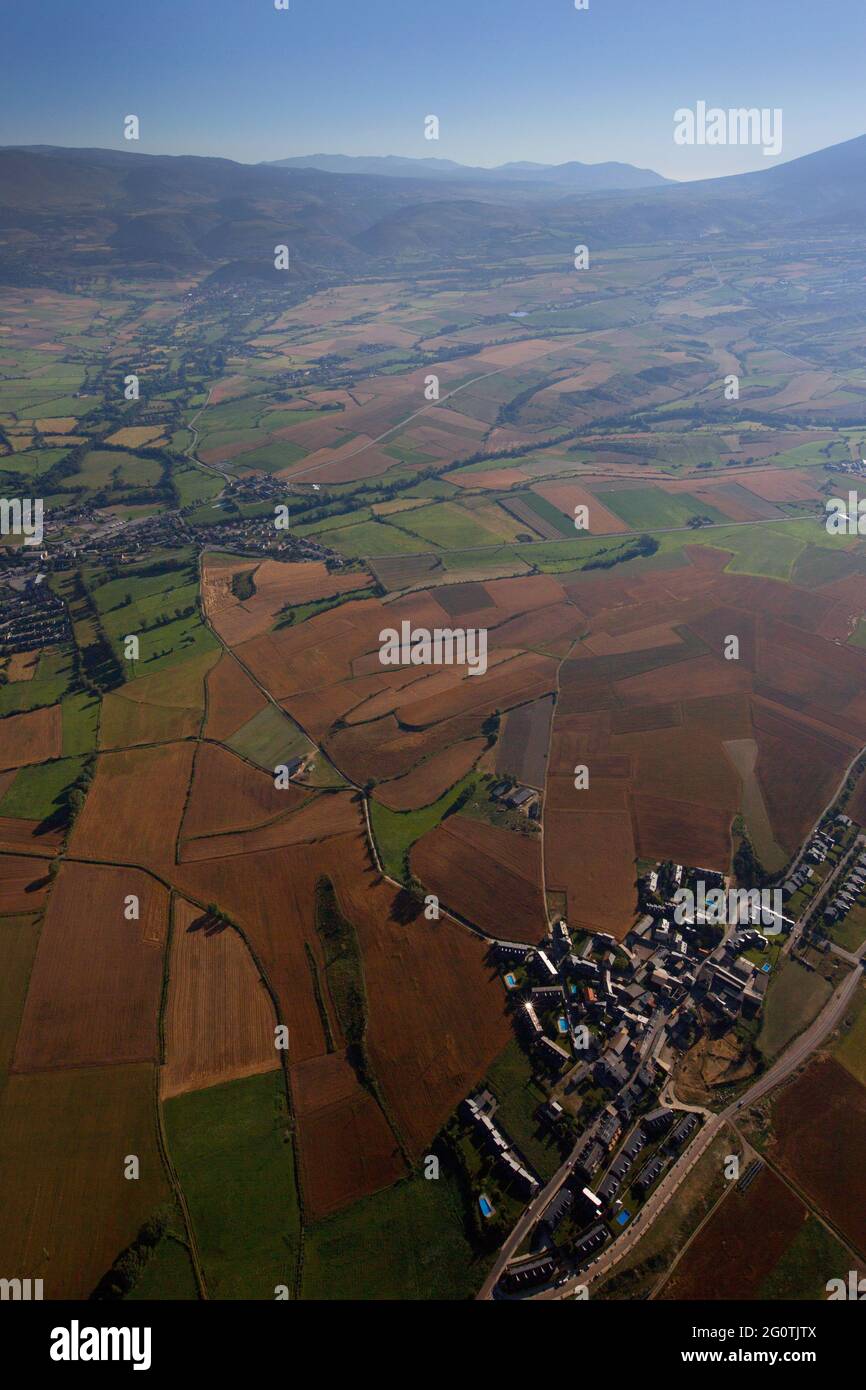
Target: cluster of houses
<point x="479" y="1111"/>
<point x="853" y="887"/>
<point x="603" y="1017"/>
<point x="34" y="616"/>
<point x="591" y="1212"/>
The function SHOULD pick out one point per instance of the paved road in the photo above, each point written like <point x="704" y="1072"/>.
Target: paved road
<point x="536" y="1207"/>
<point x="828" y="1019"/>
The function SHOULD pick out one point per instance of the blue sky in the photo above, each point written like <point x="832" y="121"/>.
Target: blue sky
<point x="508" y="79"/>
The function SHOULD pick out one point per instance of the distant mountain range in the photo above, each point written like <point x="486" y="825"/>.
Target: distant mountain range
<point x="67" y="213"/>
<point x="583" y="177"/>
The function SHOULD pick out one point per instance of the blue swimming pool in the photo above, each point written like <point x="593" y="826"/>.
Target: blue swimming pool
<point x="485" y="1205"/>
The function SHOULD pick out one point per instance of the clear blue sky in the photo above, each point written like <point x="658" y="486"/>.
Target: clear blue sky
<point x="508" y="79"/>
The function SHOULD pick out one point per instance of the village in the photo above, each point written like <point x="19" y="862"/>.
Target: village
<point x="603" y="1024"/>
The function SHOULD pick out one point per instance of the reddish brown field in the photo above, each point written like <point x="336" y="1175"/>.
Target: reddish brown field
<point x="347" y="1151"/>
<point x="436" y="1011"/>
<point x="277" y="584"/>
<point x="491" y="877"/>
<point x="384" y="749"/>
<point x="228" y="794"/>
<point x="133" y="809"/>
<point x="271" y="896"/>
<point x="96" y="983"/>
<point x="23" y="883"/>
<point x="320" y="817"/>
<point x="31" y="737"/>
<point x="25" y="834"/>
<point x="567" y="496"/>
<point x="591" y="858"/>
<point x="820" y="1126"/>
<point x="232" y="699"/>
<point x="321" y="1082"/>
<point x="741" y="1243"/>
<point x="219" y="1021"/>
<point x="431" y="779"/>
<point x="681" y="830"/>
<point x="790" y="759"/>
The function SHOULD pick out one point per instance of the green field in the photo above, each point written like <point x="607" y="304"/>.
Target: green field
<point x="510" y="1080"/>
<point x="270" y="738"/>
<point x="404" y="1243"/>
<point x="374" y="538"/>
<point x="233" y="1153"/>
<point x="115" y="469"/>
<point x="50" y="682"/>
<point x="36" y="792"/>
<point x="446" y="526"/>
<point x="80" y="715"/>
<point x="395" y="832"/>
<point x="646" y="508"/>
<point x="851" y="1050"/>
<point x="168" y="1275"/>
<point x="813" y="1257"/>
<point x="794" y="998"/>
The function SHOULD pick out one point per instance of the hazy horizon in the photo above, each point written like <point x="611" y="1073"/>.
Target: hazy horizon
<point x="508" y="84"/>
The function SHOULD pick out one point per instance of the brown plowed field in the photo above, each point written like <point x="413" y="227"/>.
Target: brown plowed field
<point x="820" y="1126"/>
<point x="431" y="779"/>
<point x="511" y="683"/>
<point x="491" y="877"/>
<point x="271" y="895"/>
<point x="63" y="1137"/>
<point x="23" y="883"/>
<point x="681" y="830"/>
<point x="347" y="1151"/>
<point x="741" y="1244"/>
<point x="228" y="794"/>
<point x="565" y="496"/>
<point x="436" y="1009"/>
<point x="96" y="983"/>
<point x="232" y="699"/>
<point x="133" y="809"/>
<point x="320" y="818"/>
<point x="790" y="760"/>
<point x="601" y="795"/>
<point x="384" y="750"/>
<point x="127" y="723"/>
<point x="590" y="858"/>
<point x="321" y="1082"/>
<point x="31" y="737"/>
<point x="277" y="584"/>
<point x="219" y="1021"/>
<point x="25" y="834"/>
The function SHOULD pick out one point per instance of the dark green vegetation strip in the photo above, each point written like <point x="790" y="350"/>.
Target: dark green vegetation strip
<point x="343" y="967"/>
